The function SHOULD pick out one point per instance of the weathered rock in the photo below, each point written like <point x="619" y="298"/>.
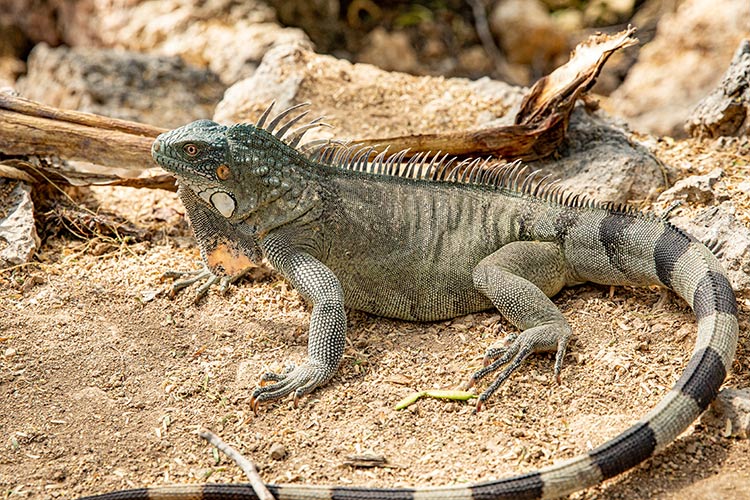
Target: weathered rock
<point x="528" y="35"/>
<point x="696" y="188"/>
<point x="719" y="224"/>
<point x="18" y="238"/>
<point x="159" y="90"/>
<point x="361" y="101"/>
<point x="226" y="36"/>
<point x="601" y="159"/>
<point x="685" y="60"/>
<point x="730" y="412"/>
<point x="724" y="111"/>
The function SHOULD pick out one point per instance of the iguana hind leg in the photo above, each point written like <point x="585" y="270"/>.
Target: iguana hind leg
<point x="519" y="278"/>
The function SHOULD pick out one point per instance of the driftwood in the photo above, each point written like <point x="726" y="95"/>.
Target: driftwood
<point x="31" y="133"/>
<point x="542" y="120"/>
<point x="724" y="112"/>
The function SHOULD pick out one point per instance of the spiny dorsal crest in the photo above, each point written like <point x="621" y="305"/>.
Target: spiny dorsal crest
<point x="489" y="172"/>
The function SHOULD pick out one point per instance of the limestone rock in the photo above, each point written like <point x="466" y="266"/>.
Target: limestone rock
<point x="719" y="224"/>
<point x="725" y="110"/>
<point x="691" y="50"/>
<point x="695" y="188"/>
<point x="18" y="238"/>
<point x="598" y="158"/>
<point x="730" y="412"/>
<point x="528" y="35"/>
<point x="159" y="90"/>
<point x="226" y="36"/>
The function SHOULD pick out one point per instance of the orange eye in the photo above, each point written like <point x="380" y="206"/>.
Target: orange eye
<point x="190" y="149"/>
<point x="223" y="172"/>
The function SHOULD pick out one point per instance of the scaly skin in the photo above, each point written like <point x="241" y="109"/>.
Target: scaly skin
<point x="428" y="243"/>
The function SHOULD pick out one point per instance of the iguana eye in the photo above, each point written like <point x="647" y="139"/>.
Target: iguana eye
<point x="190" y="149"/>
<point x="223" y="172"/>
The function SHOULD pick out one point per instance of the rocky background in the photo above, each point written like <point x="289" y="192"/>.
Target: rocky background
<point x="107" y="391"/>
<point x="165" y="62"/>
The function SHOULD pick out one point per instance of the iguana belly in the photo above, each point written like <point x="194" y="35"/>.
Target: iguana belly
<point x="434" y="292"/>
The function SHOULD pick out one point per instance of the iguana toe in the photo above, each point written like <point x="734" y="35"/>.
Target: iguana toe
<point x="514" y="351"/>
<point x="301" y="380"/>
<point x="194" y="276"/>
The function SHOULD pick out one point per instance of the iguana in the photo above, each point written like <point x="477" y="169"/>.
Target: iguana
<point x="428" y="239"/>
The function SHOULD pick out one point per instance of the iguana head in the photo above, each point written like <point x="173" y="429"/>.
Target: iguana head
<point x="235" y="169"/>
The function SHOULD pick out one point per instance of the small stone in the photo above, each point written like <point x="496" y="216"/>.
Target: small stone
<point x="10" y="352"/>
<point x="730" y="413"/>
<point x="18" y="238"/>
<point x="696" y="188"/>
<point x="670" y="76"/>
<point x="278" y="451"/>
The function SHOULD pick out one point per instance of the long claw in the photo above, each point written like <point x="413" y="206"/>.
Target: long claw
<point x="193" y="276"/>
<point x="515" y="350"/>
<point x="301" y="380"/>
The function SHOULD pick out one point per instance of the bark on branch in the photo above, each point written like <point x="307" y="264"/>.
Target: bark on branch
<point x="542" y="121"/>
<point x="29" y="128"/>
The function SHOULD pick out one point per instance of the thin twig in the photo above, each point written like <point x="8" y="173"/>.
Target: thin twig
<point x="243" y="463"/>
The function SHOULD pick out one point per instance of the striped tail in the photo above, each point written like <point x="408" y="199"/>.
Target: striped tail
<point x="680" y="263"/>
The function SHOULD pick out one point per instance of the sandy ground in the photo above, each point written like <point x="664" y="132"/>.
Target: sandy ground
<point x="104" y="380"/>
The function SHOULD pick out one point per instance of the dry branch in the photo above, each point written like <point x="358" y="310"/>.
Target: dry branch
<point x="29" y="129"/>
<point x="542" y="121"/>
<point x="248" y="467"/>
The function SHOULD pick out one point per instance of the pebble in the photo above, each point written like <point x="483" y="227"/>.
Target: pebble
<point x="278" y="451"/>
<point x="10" y="352"/>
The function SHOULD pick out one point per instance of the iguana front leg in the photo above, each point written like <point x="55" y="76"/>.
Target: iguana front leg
<point x="228" y="251"/>
<point x="317" y="284"/>
<point x="518" y="279"/>
<point x="186" y="278"/>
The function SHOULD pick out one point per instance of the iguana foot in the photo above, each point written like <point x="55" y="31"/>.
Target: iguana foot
<point x="514" y="349"/>
<point x="197" y="275"/>
<point x="298" y="379"/>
